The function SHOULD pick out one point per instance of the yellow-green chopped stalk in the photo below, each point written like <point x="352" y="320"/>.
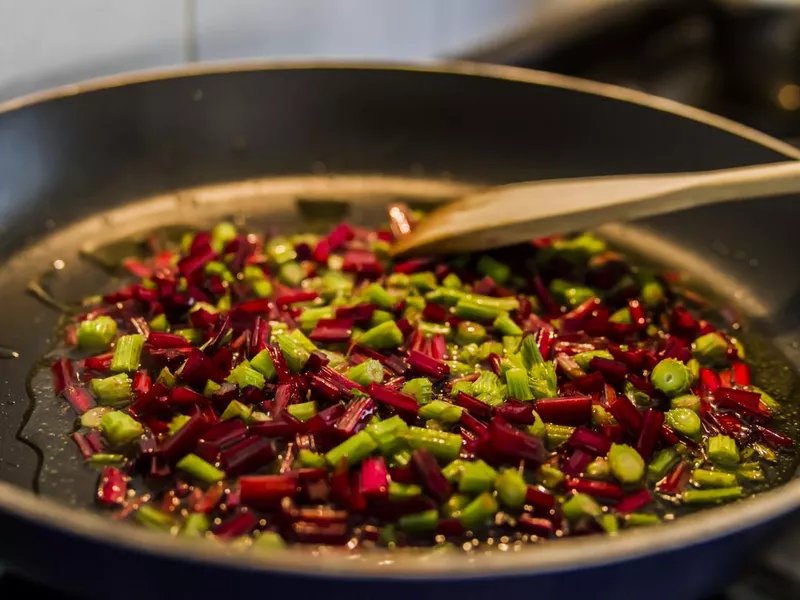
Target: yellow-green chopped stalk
<point x="713" y="496"/>
<point x="166" y="378"/>
<point x="601" y="417"/>
<point x="468" y="332"/>
<point x="311" y="315"/>
<point x="127" y="353"/>
<point x="224" y="303"/>
<point x="722" y="450"/>
<point x="502" y="305"/>
<point x="402" y="458"/>
<point x="715" y="479"/>
<point x="310" y="460"/>
<point x="506" y="326"/>
<point x="262" y="363"/>
<point x="398" y="280"/>
<point x="415" y="302"/>
<point x="689" y="401"/>
<point x="487" y="348"/>
<point x="598" y="469"/>
<point x="216" y="267"/>
<point x="194" y="336"/>
<point x="461" y="386"/>
<point x="402" y="491"/>
<point x="387" y="537"/>
<point x="584" y="358"/>
<point x="159" y="323"/>
<point x="626" y="463"/>
<point x="478" y="512"/>
<point x="421" y="388"/>
<point x="550" y="476"/>
<point x="771" y="403"/>
<point x="431" y="329"/>
<point x="424" y="281"/>
<point x="609" y="523"/>
<point x="244" y="376"/>
<point x="662" y="463"/>
<point x="579" y="506"/>
<point x="365" y="373"/>
<point x="102" y="458"/>
<point x="303" y="341"/>
<point x="120" y="428"/>
<point x="641" y="520"/>
<point x="489" y="267"/>
<point x="470" y="309"/>
<point x="570" y="294"/>
<point x="112" y="391"/>
<point x="511" y="343"/>
<point x="538" y="427"/>
<point x="177" y="422"/>
<point x="388" y="434"/>
<point x="511" y="488"/>
<point x="302" y="411"/>
<point x="441" y="411"/>
<point x="210" y="388"/>
<point x="452" y="472"/>
<point x="236" y="410"/>
<point x="354" y="449"/>
<point x="294" y="352"/>
<point x="262" y="288"/>
<point x="694" y="368"/>
<point x="92" y="417"/>
<point x="452" y="281"/>
<point x="476" y="477"/>
<point x="517" y="381"/>
<point x="200" y="469"/>
<point x="556" y="435"/>
<point x="291" y="274"/>
<point x="419" y="522"/>
<point x="382" y="337"/>
<point x="454" y="505"/>
<point x="97" y="334"/>
<point x="578" y="250"/>
<point x="443" y="445"/>
<point x="376" y="294"/>
<point x="153" y="518"/>
<point x="652" y="294"/>
<point x="622" y="316"/>
<point x="195" y="525"/>
<point x="445" y="296"/>
<point x="268" y="540"/>
<point x="221" y="234"/>
<point x="671" y="377"/>
<point x="253" y="273"/>
<point x="380" y="316"/>
<point x="684" y="420"/>
<point x="710" y="349"/>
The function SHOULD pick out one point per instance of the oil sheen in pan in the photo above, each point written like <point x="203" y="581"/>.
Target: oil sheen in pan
<point x="298" y="204"/>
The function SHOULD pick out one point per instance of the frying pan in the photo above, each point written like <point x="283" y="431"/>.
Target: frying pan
<point x="88" y="164"/>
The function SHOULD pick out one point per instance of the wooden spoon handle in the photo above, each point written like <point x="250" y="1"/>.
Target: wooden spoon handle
<point x="520" y="212"/>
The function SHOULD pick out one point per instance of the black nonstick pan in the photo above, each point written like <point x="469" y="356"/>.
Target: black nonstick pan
<point x="86" y="165"/>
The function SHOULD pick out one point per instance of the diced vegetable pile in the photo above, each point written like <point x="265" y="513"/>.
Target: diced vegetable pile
<point x="311" y="390"/>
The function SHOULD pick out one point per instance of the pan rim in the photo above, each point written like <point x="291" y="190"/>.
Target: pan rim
<point x="566" y="555"/>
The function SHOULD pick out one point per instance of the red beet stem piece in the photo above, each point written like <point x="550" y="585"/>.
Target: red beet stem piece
<point x="513" y="445"/>
<point x="480" y="430"/>
<point x="259" y="336"/>
<point x="450" y="528"/>
<point x="374" y="477"/>
<point x="425" y="365"/>
<point x="634" y="501"/>
<point x="84" y="447"/>
<point x="283" y="397"/>
<point x="740" y="373"/>
<point x="142" y="383"/>
<point x="676" y="480"/>
<point x="473" y="405"/>
<point x="612" y="370"/>
<point x="412" y="266"/>
<point x="399" y="401"/>
<point x="295" y="296"/>
<point x="279" y="362"/>
<point x="434" y="312"/>
<point x="515" y="411"/>
<point x="283" y="427"/>
<point x="439" y="347"/>
<point x="574" y="410"/>
<point x="589" y="440"/>
<point x="356" y="416"/>
<point x="741" y="401"/>
<point x="641" y="383"/>
<point x="113" y="487"/>
<point x="79" y="398"/>
<point x="332" y="331"/>
<point x="709" y="380"/>
<point x="593" y="382"/>
<point x="239" y="524"/>
<point x="625" y="413"/>
<point x="649" y="433"/>
<point x="248" y="455"/>
<point x="199" y="368"/>
<point x="539" y="498"/>
<point x="577" y="462"/>
<point x="598" y="489"/>
<point x="259" y="490"/>
<point x="362" y="262"/>
<point x="731" y="425"/>
<point x="225" y="432"/>
<point x="331" y="534"/>
<point x="167" y="340"/>
<point x="527" y="523"/>
<point x="636" y="311"/>
<point x="183" y="396"/>
<point x="430" y="475"/>
<point x="773" y="438"/>
<point x="543" y="294"/>
<point x="667" y="436"/>
<point x="184" y="440"/>
<point x="358" y="313"/>
<point x="95" y="441"/>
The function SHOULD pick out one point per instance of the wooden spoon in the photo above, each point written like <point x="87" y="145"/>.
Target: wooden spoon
<point x="523" y="211"/>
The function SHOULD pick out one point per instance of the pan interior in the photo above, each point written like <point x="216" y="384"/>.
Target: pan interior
<point x="43" y="458"/>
